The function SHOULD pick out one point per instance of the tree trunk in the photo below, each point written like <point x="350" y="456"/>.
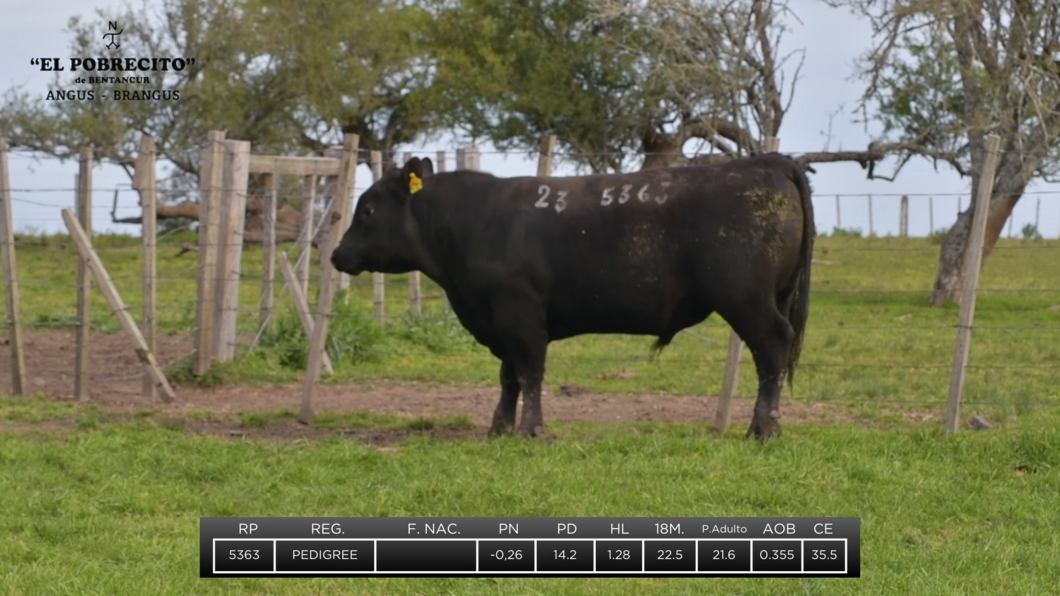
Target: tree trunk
<point x="950" y="277"/>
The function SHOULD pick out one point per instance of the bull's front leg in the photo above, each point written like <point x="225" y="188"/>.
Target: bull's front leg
<point x="519" y="321"/>
<point x="504" y="415"/>
<point x="532" y="423"/>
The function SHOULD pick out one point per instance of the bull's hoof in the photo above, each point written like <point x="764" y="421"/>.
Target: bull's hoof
<point x="534" y="431"/>
<point x="764" y="429"/>
<point x="500" y="429"/>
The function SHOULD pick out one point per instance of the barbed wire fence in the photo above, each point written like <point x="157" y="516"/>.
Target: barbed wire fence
<point x="250" y="295"/>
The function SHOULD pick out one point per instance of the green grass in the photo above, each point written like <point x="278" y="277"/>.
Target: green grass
<point x="113" y="507"/>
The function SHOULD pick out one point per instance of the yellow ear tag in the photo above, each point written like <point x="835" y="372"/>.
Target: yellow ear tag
<point x="415" y="184"/>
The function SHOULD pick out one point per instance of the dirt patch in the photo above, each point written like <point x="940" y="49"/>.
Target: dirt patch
<point x="114" y="371"/>
<point x="115" y="386"/>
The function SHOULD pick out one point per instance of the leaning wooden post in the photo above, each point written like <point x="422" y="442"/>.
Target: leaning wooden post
<point x="211" y="173"/>
<point x="7" y="254"/>
<point x="415" y="287"/>
<point x="117" y="306"/>
<point x="232" y="206"/>
<point x="375" y="159"/>
<point x="903" y="217"/>
<point x="84" y="283"/>
<point x="729" y="382"/>
<point x="145" y="184"/>
<point x="972" y="263"/>
<point x="305" y="233"/>
<point x="301" y="305"/>
<point x="347" y="173"/>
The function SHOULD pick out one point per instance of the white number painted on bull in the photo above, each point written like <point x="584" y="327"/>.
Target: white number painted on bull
<point x="606" y="198"/>
<point x="662" y="198"/>
<point x="561" y="201"/>
<point x="543" y="190"/>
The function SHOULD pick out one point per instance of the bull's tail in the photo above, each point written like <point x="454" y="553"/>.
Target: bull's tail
<point x="799" y="310"/>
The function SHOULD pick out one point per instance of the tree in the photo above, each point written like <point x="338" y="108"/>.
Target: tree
<point x="290" y="76"/>
<point x="613" y="78"/>
<point x="944" y="74"/>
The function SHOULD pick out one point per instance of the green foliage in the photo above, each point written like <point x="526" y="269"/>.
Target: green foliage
<point x="288" y="76"/>
<point x="514" y="71"/>
<point x="437" y="329"/>
<point x="846" y="232"/>
<point x="353" y="336"/>
<point x="1030" y="232"/>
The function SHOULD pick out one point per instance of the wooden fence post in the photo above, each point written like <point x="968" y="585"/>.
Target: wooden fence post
<point x="211" y="176"/>
<point x="903" y="217"/>
<point x="415" y="285"/>
<point x="347" y="174"/>
<point x="972" y="263"/>
<point x="731" y="378"/>
<point x="473" y="158"/>
<point x="440" y="166"/>
<point x="117" y="306"/>
<point x="344" y="279"/>
<point x="305" y="234"/>
<point x="838" y="216"/>
<point x="544" y="158"/>
<point x="375" y="159"/>
<point x="7" y="254"/>
<point x="931" y="215"/>
<point x="872" y="229"/>
<point x="268" y="253"/>
<point x="231" y="223"/>
<point x="145" y="184"/>
<point x="84" y="282"/>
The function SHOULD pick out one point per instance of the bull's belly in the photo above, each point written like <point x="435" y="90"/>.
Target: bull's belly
<point x="641" y="313"/>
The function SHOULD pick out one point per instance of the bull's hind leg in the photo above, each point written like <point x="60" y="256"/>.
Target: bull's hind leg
<point x="504" y="415"/>
<point x="768" y="335"/>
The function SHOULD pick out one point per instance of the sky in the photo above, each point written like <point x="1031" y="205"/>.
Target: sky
<point x="832" y="40"/>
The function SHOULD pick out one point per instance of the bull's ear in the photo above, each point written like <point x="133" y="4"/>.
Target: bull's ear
<point x="413" y="173"/>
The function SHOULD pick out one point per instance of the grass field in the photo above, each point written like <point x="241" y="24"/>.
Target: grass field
<point x="96" y="505"/>
<point x="96" y="502"/>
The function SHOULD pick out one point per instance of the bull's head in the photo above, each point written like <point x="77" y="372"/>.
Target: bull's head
<point x="382" y="236"/>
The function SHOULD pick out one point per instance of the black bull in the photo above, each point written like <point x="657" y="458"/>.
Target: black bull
<point x="526" y="261"/>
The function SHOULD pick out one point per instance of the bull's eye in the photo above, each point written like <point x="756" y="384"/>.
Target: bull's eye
<point x="367" y="211"/>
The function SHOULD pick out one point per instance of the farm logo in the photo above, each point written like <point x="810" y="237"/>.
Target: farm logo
<point x="107" y="73"/>
<point x="113" y="43"/>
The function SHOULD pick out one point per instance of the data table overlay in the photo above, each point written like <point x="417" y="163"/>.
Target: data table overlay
<point x="529" y="546"/>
